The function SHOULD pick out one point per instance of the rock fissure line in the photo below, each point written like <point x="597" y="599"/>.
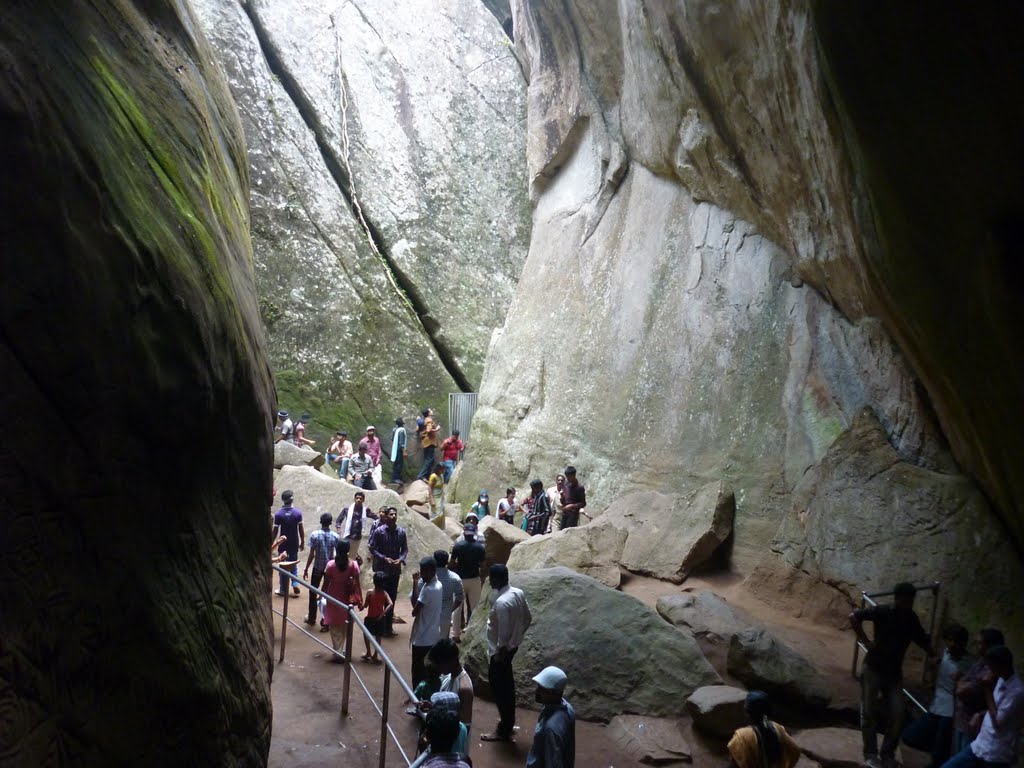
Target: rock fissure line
<point x="340" y="172"/>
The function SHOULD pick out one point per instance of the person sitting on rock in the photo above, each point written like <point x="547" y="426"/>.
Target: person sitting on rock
<point x="362" y="469"/>
<point x="334" y="449"/>
<point x="970" y="691"/>
<point x="285" y="430"/>
<point x="881" y="680"/>
<point x="344" y="455"/>
<point x="538" y="510"/>
<point x="764" y="743"/>
<point x="507" y="507"/>
<point x="933" y="731"/>
<point x="300" y="431"/>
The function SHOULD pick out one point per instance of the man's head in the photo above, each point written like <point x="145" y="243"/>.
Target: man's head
<point x="358" y="498"/>
<point x="287" y="497"/>
<point x="325" y="520"/>
<point x="550" y="685"/>
<point x="455" y="433"/>
<point x="559" y="481"/>
<point x="343" y="434"/>
<point x="903" y="596"/>
<point x="472" y="518"/>
<point x="425" y="412"/>
<point x="955" y="638"/>
<point x="442" y="730"/>
<point x="989" y="637"/>
<point x="444" y="655"/>
<point x="338" y="434"/>
<point x="371" y="431"/>
<point x="570" y="475"/>
<point x="757" y="706"/>
<point x="392" y="518"/>
<point x="282" y="415"/>
<point x="441" y="558"/>
<point x="362" y="449"/>
<point x="399" y="422"/>
<point x="428" y="569"/>
<point x="999" y="659"/>
<point x="498" y="576"/>
<point x="469" y="530"/>
<point x="536" y="487"/>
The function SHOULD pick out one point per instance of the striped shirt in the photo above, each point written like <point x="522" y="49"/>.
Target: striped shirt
<point x="451" y="593"/>
<point x="323" y="544"/>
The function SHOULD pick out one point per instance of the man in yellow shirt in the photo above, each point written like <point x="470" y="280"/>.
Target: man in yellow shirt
<point x="428" y="440"/>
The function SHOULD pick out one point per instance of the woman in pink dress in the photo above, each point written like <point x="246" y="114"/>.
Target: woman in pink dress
<point x="341" y="581"/>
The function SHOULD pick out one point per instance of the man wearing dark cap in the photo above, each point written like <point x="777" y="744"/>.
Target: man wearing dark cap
<point x="574" y="500"/>
<point x="285" y="428"/>
<point x="288" y="523"/>
<point x="554" y="738"/>
<point x="467" y="557"/>
<point x="322" y="546"/>
<point x="300" y="431"/>
<point x="896" y="627"/>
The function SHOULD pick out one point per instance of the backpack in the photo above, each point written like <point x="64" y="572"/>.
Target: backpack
<point x="420" y="424"/>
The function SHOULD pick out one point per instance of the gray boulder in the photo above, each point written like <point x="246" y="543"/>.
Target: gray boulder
<point x="703" y="613"/>
<point x="650" y="740"/>
<point x="290" y="455"/>
<point x="762" y="661"/>
<point x="315" y="493"/>
<point x="591" y="550"/>
<point x="499" y="538"/>
<point x="669" y="536"/>
<point x="717" y="710"/>
<point x="832" y="747"/>
<point x="620" y="656"/>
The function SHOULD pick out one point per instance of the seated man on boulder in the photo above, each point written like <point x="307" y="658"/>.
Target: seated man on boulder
<point x="896" y="627"/>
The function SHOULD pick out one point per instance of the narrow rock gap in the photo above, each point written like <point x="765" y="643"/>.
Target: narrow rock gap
<point x="409" y="294"/>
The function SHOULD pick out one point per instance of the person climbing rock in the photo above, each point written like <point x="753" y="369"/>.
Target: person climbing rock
<point x="574" y="500"/>
<point x="554" y="738"/>
<point x="896" y="627"/>
<point x="428" y="440"/>
<point x="398" y="451"/>
<point x="764" y="743"/>
<point x="506" y="625"/>
<point x="288" y="523"/>
<point x="435" y="486"/>
<point x="344" y="455"/>
<point x="322" y="547"/>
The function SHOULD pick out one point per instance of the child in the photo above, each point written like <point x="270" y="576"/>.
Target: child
<point x="507" y="507"/>
<point x="378" y="605"/>
<point x="436" y="484"/>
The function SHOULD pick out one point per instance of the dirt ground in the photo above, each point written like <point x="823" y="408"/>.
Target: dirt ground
<point x="308" y="729"/>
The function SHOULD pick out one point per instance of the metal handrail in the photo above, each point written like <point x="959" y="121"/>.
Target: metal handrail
<point x="869" y="599"/>
<point x="389" y="666"/>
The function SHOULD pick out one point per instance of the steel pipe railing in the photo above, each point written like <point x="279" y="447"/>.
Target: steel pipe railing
<point x="390" y="670"/>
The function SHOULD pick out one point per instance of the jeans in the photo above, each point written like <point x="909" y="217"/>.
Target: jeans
<point x="449" y="467"/>
<point x="343" y="468"/>
<point x="503" y="683"/>
<point x="292" y="554"/>
<point x="313" y="596"/>
<point x="880" y="693"/>
<point x="965" y="758"/>
<point x="396" y="468"/>
<point x="428" y="462"/>
<point x="930" y="733"/>
<point x="390" y="586"/>
<point x="960" y="740"/>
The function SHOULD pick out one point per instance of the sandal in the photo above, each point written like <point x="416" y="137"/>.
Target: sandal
<point x="366" y="657"/>
<point x="376" y="660"/>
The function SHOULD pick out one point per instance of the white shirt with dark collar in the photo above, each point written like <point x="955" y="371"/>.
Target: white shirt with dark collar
<point x="508" y="621"/>
<point x="996" y="745"/>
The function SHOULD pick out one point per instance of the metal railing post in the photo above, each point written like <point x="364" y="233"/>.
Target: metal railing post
<point x="347" y="674"/>
<point x="384" y="717"/>
<point x="284" y="622"/>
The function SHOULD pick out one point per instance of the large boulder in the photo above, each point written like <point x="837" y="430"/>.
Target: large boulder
<point x="620" y="656"/>
<point x="832" y="747"/>
<point x="703" y="613"/>
<point x="590" y="549"/>
<point x="133" y="379"/>
<point x="668" y="537"/>
<point x="388" y="159"/>
<point x="650" y="740"/>
<point x="499" y="538"/>
<point x="416" y="494"/>
<point x="288" y="454"/>
<point x="760" y="660"/>
<point x="315" y="493"/>
<point x="718" y="710"/>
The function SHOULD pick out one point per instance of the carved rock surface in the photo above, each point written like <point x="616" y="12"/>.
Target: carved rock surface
<point x="651" y="740"/>
<point x="620" y="656"/>
<point x="590" y="549"/>
<point x="128" y="328"/>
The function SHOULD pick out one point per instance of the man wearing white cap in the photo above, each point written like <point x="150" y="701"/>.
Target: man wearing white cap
<point x="373" y="450"/>
<point x="554" y="738"/>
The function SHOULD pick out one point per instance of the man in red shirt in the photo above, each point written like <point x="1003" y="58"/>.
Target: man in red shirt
<point x="450" y="450"/>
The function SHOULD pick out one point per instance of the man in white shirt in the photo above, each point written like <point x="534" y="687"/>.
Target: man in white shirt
<point x="995" y="744"/>
<point x="427" y="595"/>
<point x="506" y="625"/>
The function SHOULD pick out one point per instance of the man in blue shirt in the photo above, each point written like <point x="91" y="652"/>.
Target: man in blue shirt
<point x="554" y="738"/>
<point x="288" y="523"/>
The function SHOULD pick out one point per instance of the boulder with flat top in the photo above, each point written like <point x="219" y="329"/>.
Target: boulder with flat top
<point x="718" y="710"/>
<point x="499" y="538"/>
<point x="703" y="613"/>
<point x="288" y="454"/>
<point x="760" y="660"/>
<point x="591" y="550"/>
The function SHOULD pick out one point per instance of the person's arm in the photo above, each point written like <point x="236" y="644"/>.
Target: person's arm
<point x="390" y="603"/>
<point x="305" y="571"/>
<point x="374" y="545"/>
<point x="417" y="585"/>
<point x="857" y="619"/>
<point x="527" y="616"/>
<point x="923" y="640"/>
<point x="302" y="537"/>
<point x="459" y="597"/>
<point x="555" y="741"/>
<point x="404" y="548"/>
<point x="1009" y="716"/>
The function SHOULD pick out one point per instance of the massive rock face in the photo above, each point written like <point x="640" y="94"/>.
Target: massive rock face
<point x="716" y="276"/>
<point x="390" y="215"/>
<point x="134" y="621"/>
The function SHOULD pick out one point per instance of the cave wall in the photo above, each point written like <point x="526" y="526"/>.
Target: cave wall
<point x="134" y="382"/>
<point x="701" y="297"/>
<point x="390" y="210"/>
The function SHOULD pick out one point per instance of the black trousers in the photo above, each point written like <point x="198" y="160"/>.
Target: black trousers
<point x="313" y="596"/>
<point x="391" y="587"/>
<point x="503" y="683"/>
<point x="419" y="664"/>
